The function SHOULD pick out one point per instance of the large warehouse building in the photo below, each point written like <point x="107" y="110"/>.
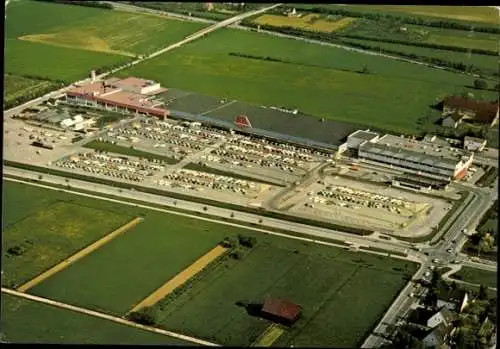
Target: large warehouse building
<point x="130" y="95"/>
<point x="410" y="156"/>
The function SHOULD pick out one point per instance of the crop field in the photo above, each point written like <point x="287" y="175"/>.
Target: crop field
<point x="117" y="149"/>
<point x="477" y="276"/>
<point x="37" y="237"/>
<point x="85" y="29"/>
<point x="135" y="264"/>
<point x="80" y="38"/>
<point x="72" y="64"/>
<point x="330" y="284"/>
<point x="27" y="321"/>
<point x="420" y="34"/>
<point x="310" y="22"/>
<point x="329" y="74"/>
<point x="483" y="14"/>
<point x="17" y="86"/>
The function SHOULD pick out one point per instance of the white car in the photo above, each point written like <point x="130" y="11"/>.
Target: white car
<point x="450" y="250"/>
<point x="435" y="260"/>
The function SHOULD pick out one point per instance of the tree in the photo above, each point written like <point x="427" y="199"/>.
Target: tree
<point x="431" y="299"/>
<point x="483" y="295"/>
<point x="144" y="316"/>
<point x="486" y="243"/>
<point x="480" y="84"/>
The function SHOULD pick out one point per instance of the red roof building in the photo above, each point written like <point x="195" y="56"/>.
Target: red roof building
<point x="281" y="311"/>
<point x="474" y="110"/>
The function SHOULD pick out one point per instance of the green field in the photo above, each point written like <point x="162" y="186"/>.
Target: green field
<point x="379" y="99"/>
<point x="324" y="280"/>
<point x="82" y="27"/>
<point x="79" y="38"/>
<point x="487" y="64"/>
<point x="72" y="64"/>
<point x="27" y="321"/>
<point x="49" y="227"/>
<point x="117" y="149"/>
<point x="16" y="88"/>
<point x="135" y="264"/>
<point x="332" y="285"/>
<point x="477" y="276"/>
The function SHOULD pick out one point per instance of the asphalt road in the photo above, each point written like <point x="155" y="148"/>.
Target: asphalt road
<point x="467" y="219"/>
<point x="261" y="221"/>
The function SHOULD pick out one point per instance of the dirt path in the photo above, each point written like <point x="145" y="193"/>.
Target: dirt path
<point x="181" y="278"/>
<point x="108" y="317"/>
<point x="79" y="255"/>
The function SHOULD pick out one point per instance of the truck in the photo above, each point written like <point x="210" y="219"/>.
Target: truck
<point x="348" y="243"/>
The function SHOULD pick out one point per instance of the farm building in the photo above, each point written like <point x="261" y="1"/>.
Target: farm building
<point x="461" y="109"/>
<point x="130" y="95"/>
<point x="281" y="311"/>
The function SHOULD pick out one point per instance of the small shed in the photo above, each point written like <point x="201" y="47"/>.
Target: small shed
<point x="281" y="311"/>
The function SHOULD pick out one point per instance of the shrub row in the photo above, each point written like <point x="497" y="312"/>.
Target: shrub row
<point x="98" y="4"/>
<point x="200" y="200"/>
<point x="421" y="44"/>
<point x="402" y="19"/>
<point x="11" y="103"/>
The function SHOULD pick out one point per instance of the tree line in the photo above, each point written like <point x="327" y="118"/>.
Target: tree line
<point x="447" y="24"/>
<point x="81" y="3"/>
<point x="422" y="44"/>
<point x="32" y="94"/>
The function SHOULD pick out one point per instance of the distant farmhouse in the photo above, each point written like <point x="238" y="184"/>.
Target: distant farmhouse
<point x="457" y="109"/>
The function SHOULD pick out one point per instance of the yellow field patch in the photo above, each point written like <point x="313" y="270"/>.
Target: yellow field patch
<point x="79" y="255"/>
<point x="309" y="22"/>
<point x="181" y="278"/>
<point x="270" y="335"/>
<point x="74" y="39"/>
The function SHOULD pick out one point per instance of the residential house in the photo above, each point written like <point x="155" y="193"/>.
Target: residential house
<point x="482" y="112"/>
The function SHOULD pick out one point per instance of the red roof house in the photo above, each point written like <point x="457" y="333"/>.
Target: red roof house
<point x="474" y="110"/>
<point x="281" y="311"/>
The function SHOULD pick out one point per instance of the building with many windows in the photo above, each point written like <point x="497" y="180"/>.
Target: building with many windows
<point x="414" y="157"/>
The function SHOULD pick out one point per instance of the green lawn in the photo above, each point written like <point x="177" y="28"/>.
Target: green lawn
<point x="117" y="149"/>
<point x="331" y="285"/>
<point x="27" y="321"/>
<point x="380" y="99"/>
<point x="477" y="276"/>
<point x="49" y="227"/>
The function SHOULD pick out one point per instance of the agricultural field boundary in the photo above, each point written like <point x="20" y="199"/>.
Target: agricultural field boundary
<point x="181" y="278"/>
<point x="79" y="255"/>
<point x="108" y="317"/>
<point x="269" y="336"/>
